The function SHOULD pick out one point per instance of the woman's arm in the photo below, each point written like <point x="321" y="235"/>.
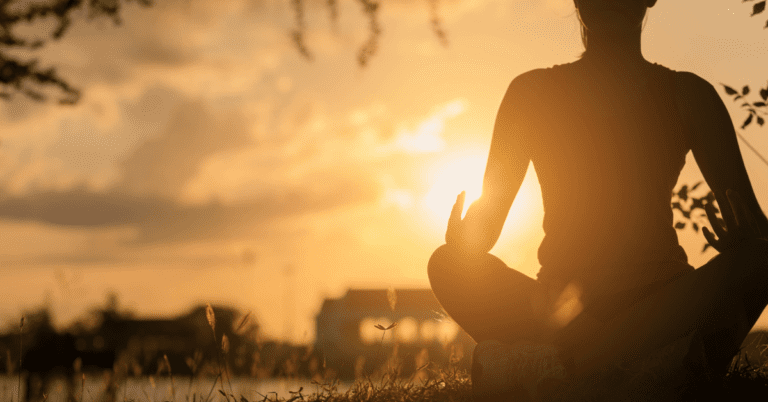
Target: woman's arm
<point x="508" y="161"/>
<point x="714" y="144"/>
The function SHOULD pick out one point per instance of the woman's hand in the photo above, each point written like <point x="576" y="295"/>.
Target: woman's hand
<point x="739" y="224"/>
<point x="454" y="235"/>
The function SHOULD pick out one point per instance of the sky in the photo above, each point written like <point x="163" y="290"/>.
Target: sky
<point x="208" y="161"/>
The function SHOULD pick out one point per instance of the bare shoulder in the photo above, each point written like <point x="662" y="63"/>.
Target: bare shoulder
<point x="533" y="77"/>
<point x="694" y="92"/>
<point x="530" y="85"/>
<point x="701" y="108"/>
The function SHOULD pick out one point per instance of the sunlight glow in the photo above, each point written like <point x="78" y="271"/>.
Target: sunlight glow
<point x="427" y="137"/>
<point x="462" y="173"/>
<point x="407" y="330"/>
<point x="399" y="198"/>
<point x="447" y="331"/>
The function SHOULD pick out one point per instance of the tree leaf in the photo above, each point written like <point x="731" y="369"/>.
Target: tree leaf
<point x="758" y="104"/>
<point x="746" y="122"/>
<point x="745" y="90"/>
<point x="764" y="92"/>
<point x="680" y="225"/>
<point x="696" y="227"/>
<point x="706" y="246"/>
<point x="697" y="203"/>
<point x="381" y="327"/>
<point x="729" y="90"/>
<point x="758" y="8"/>
<point x="695" y="186"/>
<point x="760" y="121"/>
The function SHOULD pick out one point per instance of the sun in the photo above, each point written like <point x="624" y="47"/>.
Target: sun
<point x="462" y="172"/>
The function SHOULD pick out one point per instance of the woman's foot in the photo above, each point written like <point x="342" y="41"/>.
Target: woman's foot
<point x="520" y="372"/>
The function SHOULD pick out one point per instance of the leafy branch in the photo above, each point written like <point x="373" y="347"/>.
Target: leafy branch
<point x="692" y="208"/>
<point x="24" y="76"/>
<point x="370" y="9"/>
<point x="757" y="8"/>
<point x="757" y="109"/>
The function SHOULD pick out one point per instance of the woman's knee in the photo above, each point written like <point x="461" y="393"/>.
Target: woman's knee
<point x="441" y="262"/>
<point x="448" y="266"/>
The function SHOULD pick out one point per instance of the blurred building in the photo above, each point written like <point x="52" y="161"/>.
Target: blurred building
<point x="351" y="339"/>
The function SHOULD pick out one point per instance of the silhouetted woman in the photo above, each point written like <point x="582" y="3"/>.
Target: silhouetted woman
<point x="608" y="136"/>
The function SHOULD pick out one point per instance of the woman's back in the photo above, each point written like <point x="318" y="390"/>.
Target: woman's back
<point x="607" y="160"/>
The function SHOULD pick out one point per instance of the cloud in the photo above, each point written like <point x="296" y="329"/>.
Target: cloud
<point x="175" y="140"/>
<point x="163" y="165"/>
<point x="161" y="220"/>
<point x="427" y="137"/>
<point x="181" y="169"/>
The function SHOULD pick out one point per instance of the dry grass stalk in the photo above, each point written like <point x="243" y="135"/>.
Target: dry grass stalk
<point x="21" y="353"/>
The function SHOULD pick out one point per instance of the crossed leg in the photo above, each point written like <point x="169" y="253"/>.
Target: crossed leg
<point x="485" y="297"/>
<point x="721" y="301"/>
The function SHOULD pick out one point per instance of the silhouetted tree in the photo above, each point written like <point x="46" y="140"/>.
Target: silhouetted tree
<point x="26" y="76"/>
<point x="370" y="8"/>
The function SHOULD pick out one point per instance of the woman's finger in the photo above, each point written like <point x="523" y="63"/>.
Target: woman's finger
<point x="744" y="217"/>
<point x="458" y="208"/>
<point x="714" y="220"/>
<point x="454" y="220"/>
<point x="726" y="209"/>
<point x="710" y="238"/>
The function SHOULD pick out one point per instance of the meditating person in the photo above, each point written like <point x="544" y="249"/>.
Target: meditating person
<point x="608" y="135"/>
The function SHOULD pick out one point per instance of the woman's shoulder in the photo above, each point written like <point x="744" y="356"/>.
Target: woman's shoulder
<point x="536" y="81"/>
<point x="541" y="75"/>
<point x="694" y="92"/>
<point x="688" y="82"/>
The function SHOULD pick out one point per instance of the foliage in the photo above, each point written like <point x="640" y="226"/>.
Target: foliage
<point x="25" y="76"/>
<point x="756" y="109"/>
<point x="370" y="8"/>
<point x="757" y="8"/>
<point x="692" y="208"/>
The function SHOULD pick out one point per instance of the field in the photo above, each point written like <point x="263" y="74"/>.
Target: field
<point x="746" y="378"/>
<point x="744" y="381"/>
<point x="444" y="386"/>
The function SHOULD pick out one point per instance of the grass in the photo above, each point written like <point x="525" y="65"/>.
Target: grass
<point x="744" y="380"/>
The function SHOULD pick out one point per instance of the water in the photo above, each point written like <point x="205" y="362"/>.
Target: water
<point x="146" y="389"/>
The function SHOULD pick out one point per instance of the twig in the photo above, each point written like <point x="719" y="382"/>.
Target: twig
<point x="214" y="386"/>
<point x="21" y="353"/>
<point x="762" y="158"/>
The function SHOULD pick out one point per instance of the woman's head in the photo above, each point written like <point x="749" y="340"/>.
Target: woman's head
<point x="611" y="17"/>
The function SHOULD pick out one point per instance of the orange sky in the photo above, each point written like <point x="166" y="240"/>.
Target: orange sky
<point x="202" y="136"/>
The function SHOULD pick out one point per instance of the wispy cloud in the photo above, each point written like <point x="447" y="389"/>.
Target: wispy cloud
<point x="427" y="136"/>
